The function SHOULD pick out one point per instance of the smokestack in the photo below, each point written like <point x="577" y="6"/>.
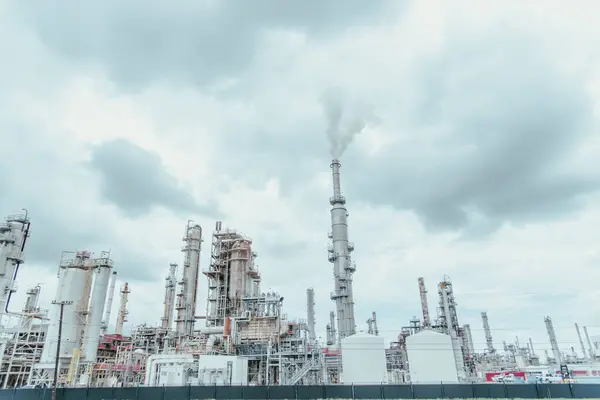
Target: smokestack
<point x="339" y="255"/>
<point x="310" y="313"/>
<point x="424" y="305"/>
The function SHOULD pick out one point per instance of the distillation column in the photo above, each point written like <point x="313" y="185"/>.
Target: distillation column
<point x="374" y="324"/>
<point x="169" y="303"/>
<point x="553" y="341"/>
<point x="72" y="288"/>
<point x="122" y="317"/>
<point x="109" y="302"/>
<point x="186" y="305"/>
<point x="469" y="340"/>
<point x="424" y="305"/>
<point x="339" y="255"/>
<point x="13" y="236"/>
<point x="456" y="341"/>
<point x="91" y="336"/>
<point x="332" y="330"/>
<point x="585" y="356"/>
<point x="310" y="313"/>
<point x="591" y="350"/>
<point x="488" y="333"/>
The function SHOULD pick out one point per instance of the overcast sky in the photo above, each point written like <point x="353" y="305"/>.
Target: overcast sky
<point x="119" y="121"/>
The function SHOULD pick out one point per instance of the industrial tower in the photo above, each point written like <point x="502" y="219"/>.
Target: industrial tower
<point x="339" y="255"/>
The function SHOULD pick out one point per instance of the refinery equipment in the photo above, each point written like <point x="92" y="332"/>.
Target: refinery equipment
<point x="169" y="303"/>
<point x="553" y="342"/>
<point x="123" y="312"/>
<point x="585" y="356"/>
<point x="186" y="303"/>
<point x="424" y="304"/>
<point x="108" y="308"/>
<point x="363" y="360"/>
<point x="488" y="333"/>
<point x="310" y="313"/>
<point x="25" y="342"/>
<point x="339" y="254"/>
<point x="245" y="337"/>
<point x="372" y="325"/>
<point x="431" y="356"/>
<point x="82" y="320"/>
<point x="13" y="237"/>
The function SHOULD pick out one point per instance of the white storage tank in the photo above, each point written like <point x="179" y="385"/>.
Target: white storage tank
<point x="431" y="358"/>
<point x="363" y="359"/>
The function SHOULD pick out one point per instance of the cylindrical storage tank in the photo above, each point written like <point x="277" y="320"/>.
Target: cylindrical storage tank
<point x="91" y="336"/>
<point x="431" y="357"/>
<point x="363" y="359"/>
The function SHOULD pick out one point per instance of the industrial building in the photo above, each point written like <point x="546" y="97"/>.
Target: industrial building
<point x="242" y="335"/>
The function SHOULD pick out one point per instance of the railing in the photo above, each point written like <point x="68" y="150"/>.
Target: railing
<point x="451" y="391"/>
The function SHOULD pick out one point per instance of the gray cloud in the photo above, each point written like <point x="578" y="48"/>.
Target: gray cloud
<point x="135" y="180"/>
<point x="497" y="141"/>
<point x="483" y="142"/>
<point x="195" y="41"/>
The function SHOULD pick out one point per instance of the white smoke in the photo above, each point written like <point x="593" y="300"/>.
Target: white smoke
<point x="344" y="121"/>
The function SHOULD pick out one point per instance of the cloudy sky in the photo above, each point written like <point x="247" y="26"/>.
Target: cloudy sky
<point x="120" y="121"/>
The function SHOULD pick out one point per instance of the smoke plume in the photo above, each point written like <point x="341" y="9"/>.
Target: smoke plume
<point x="343" y="124"/>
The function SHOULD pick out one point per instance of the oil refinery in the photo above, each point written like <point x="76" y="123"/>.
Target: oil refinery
<point x="243" y="336"/>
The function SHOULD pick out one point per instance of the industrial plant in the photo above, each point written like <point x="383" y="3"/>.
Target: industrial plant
<point x="243" y="336"/>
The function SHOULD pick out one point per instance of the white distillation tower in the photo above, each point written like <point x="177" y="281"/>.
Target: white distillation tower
<point x="186" y="304"/>
<point x="339" y="255"/>
<point x="13" y="236"/>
